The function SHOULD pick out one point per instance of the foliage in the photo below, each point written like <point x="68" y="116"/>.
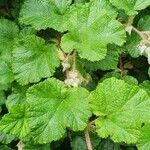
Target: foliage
<point x="75" y="74"/>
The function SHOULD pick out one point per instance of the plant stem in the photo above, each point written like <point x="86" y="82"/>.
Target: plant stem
<point x="88" y="140"/>
<point x="130" y="20"/>
<point x="139" y="33"/>
<point x="74" y="61"/>
<point x="58" y="41"/>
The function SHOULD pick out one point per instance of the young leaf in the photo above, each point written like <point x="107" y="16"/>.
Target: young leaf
<point x="33" y="59"/>
<point x="131" y="6"/>
<point x="92" y="27"/>
<point x="121" y="108"/>
<point x="42" y="14"/>
<point x="55" y="107"/>
<point x="144" y="141"/>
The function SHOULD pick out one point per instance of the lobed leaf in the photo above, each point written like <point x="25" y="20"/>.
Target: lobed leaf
<point x="91" y="28"/>
<point x="120" y="109"/>
<point x="131" y="7"/>
<point x="108" y="63"/>
<point x="55" y="107"/>
<point x="33" y="60"/>
<point x="42" y="14"/>
<point x="16" y="122"/>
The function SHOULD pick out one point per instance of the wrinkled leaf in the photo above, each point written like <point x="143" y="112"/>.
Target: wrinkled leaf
<point x="33" y="59"/>
<point x="120" y="108"/>
<point x="91" y="29"/>
<point x="53" y="106"/>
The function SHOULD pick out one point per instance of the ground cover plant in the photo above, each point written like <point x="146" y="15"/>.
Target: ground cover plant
<point x="74" y="74"/>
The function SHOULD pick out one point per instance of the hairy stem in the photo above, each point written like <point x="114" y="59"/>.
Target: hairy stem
<point x="130" y="20"/>
<point x="139" y="33"/>
<point x="88" y="140"/>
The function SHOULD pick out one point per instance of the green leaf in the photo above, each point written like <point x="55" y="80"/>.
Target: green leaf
<point x="92" y="27"/>
<point x="132" y="44"/>
<point x="131" y="6"/>
<point x="4" y="87"/>
<point x="8" y="31"/>
<point x="55" y="107"/>
<point x="32" y="146"/>
<point x="2" y="98"/>
<point x="128" y="79"/>
<point x="80" y="1"/>
<point x="6" y="74"/>
<point x="144" y="141"/>
<point x="108" y="63"/>
<point x="144" y="23"/>
<point x="6" y="138"/>
<point x="107" y="144"/>
<point x="78" y="142"/>
<point x="120" y="108"/>
<point x="33" y="60"/>
<point x="16" y="121"/>
<point x="5" y="147"/>
<point x="42" y="14"/>
<point x="18" y="97"/>
<point x="146" y="86"/>
<point x="111" y="74"/>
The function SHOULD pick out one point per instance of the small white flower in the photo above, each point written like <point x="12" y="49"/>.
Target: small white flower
<point x="20" y="145"/>
<point x="147" y="51"/>
<point x="73" y="82"/>
<point x="142" y="48"/>
<point x="72" y="74"/>
<point x="73" y="79"/>
<point x="65" y="65"/>
<point x="128" y="29"/>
